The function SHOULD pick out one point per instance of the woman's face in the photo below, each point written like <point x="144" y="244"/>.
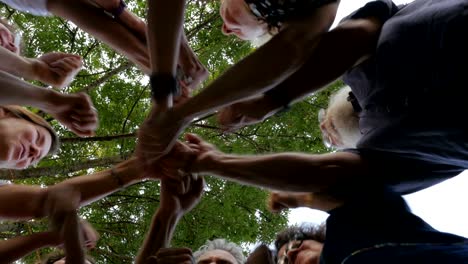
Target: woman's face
<point x="239" y="21"/>
<point x="22" y="143"/>
<point x="7" y="39"/>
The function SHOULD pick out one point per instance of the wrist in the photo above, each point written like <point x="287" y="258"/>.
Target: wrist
<point x="208" y="162"/>
<point x="31" y="69"/>
<point x="48" y="99"/>
<point x="127" y="172"/>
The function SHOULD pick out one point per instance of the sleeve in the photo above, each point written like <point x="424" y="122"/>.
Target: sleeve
<point x="382" y="9"/>
<point x="368" y="219"/>
<point x="36" y="7"/>
<point x="403" y="175"/>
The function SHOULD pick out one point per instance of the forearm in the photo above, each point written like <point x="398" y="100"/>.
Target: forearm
<point x="98" y="185"/>
<point x="165" y="25"/>
<point x="16" y="65"/>
<point x="263" y="69"/>
<point x="159" y="235"/>
<point x="73" y="241"/>
<point x="18" y="247"/>
<point x="117" y="36"/>
<point x="286" y="171"/>
<point x="18" y="92"/>
<point x="320" y="69"/>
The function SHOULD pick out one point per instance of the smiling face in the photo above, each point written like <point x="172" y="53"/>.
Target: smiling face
<point x="7" y="39"/>
<point x="239" y="21"/>
<point x="300" y="252"/>
<point x="22" y="143"/>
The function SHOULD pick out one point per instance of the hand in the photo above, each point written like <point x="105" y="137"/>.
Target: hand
<point x="203" y="150"/>
<point x="158" y="134"/>
<point x="173" y="165"/>
<point x="245" y="113"/>
<point x="181" y="195"/>
<point x="57" y="69"/>
<point x="74" y="111"/>
<point x="193" y="70"/>
<point x="279" y="201"/>
<point x="90" y="235"/>
<point x="172" y="255"/>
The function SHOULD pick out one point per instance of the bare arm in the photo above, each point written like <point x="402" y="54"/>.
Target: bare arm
<point x="116" y="35"/>
<point x="291" y="172"/>
<point x="359" y="37"/>
<point x="56" y="68"/>
<point x="260" y="71"/>
<point x="75" y="111"/>
<point x="172" y="207"/>
<point x="286" y="171"/>
<point x="18" y="247"/>
<point x="160" y="233"/>
<point x="263" y="69"/>
<point x="91" y="188"/>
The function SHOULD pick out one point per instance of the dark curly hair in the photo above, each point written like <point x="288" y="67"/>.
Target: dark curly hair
<point x="305" y="231"/>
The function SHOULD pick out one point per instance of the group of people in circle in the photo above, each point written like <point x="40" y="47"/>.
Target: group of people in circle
<point x="396" y="128"/>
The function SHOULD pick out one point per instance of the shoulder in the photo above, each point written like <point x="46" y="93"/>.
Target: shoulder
<point x="380" y="9"/>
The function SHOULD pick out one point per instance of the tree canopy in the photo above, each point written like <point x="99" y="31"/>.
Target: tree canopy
<point x="121" y="95"/>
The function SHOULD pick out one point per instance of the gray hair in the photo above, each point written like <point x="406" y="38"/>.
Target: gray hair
<point x="221" y="244"/>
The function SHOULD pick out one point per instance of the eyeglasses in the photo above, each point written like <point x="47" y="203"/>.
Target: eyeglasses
<point x="295" y="244"/>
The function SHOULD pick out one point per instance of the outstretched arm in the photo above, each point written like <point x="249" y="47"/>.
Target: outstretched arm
<point x="165" y="27"/>
<point x="172" y="207"/>
<point x="319" y="70"/>
<point x="94" y="21"/>
<point x="18" y="247"/>
<point x="258" y="72"/>
<point x="75" y="111"/>
<point x="91" y="188"/>
<point x="295" y="172"/>
<point x="56" y="68"/>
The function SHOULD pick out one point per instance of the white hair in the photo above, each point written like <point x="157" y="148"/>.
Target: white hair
<point x="221" y="244"/>
<point x="344" y="118"/>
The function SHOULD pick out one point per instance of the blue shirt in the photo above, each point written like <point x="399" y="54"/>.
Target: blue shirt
<point x="413" y="93"/>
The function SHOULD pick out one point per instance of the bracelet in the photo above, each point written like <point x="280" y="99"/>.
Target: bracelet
<point x="163" y="85"/>
<point x="115" y="176"/>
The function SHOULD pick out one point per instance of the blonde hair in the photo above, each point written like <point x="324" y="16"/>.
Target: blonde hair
<point x="23" y="113"/>
<point x="345" y="120"/>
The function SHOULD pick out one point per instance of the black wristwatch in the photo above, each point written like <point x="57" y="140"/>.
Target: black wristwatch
<point x="162" y="85"/>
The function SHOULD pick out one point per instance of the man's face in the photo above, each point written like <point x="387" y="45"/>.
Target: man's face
<point x="300" y="252"/>
<point x="217" y="256"/>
